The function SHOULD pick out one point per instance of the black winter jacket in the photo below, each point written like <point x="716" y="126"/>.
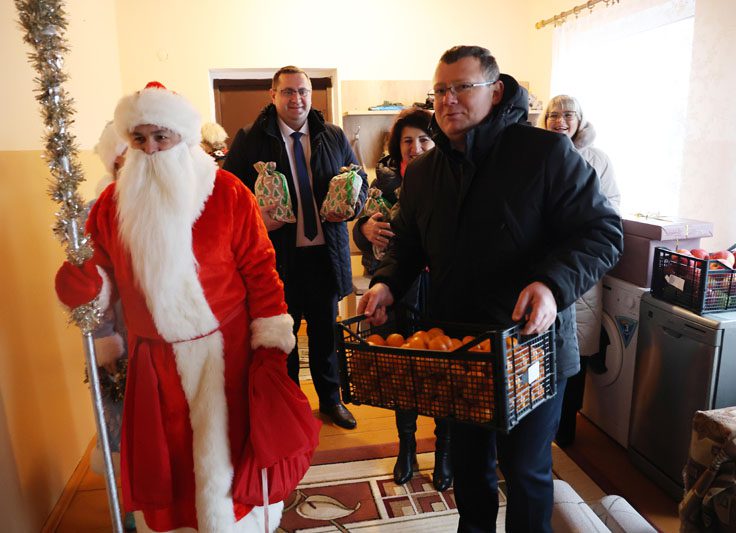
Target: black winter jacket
<point x="330" y="151"/>
<point x="520" y="205"/>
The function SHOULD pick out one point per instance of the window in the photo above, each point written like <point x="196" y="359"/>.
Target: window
<point x="629" y="66"/>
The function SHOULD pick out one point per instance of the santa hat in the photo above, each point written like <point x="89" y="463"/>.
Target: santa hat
<point x="110" y="146"/>
<point x="214" y="135"/>
<point x="157" y="105"/>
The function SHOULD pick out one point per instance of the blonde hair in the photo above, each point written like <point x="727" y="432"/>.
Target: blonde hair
<point x="561" y="102"/>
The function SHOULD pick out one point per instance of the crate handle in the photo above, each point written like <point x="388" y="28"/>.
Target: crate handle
<point x="350" y="321"/>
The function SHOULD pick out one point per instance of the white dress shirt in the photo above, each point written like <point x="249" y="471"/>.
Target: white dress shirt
<point x="286" y="132"/>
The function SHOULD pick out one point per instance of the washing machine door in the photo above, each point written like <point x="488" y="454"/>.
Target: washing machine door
<point x="614" y="354"/>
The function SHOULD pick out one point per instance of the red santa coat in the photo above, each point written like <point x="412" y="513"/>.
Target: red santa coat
<point x="208" y="402"/>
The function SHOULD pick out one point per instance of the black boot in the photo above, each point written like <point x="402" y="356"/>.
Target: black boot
<point x="442" y="474"/>
<point x="406" y="462"/>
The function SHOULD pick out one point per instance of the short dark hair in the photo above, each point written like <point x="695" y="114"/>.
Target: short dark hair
<point x="415" y="117"/>
<point x="487" y="61"/>
<point x="289" y="69"/>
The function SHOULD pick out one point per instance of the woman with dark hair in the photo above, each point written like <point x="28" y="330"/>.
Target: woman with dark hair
<point x="409" y="138"/>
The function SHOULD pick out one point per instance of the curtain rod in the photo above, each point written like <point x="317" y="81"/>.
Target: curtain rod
<point x="561" y="18"/>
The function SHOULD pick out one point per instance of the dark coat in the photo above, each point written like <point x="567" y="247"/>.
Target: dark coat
<point x="331" y="150"/>
<point x="520" y="205"/>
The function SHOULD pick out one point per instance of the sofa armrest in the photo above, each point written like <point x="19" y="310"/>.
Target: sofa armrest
<point x="571" y="514"/>
<point x="620" y="517"/>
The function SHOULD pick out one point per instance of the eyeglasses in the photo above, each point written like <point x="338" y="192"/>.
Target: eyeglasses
<point x="456" y="90"/>
<point x="567" y="115"/>
<point x="288" y="93"/>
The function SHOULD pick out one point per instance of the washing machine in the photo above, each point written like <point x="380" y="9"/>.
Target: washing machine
<point x="609" y="380"/>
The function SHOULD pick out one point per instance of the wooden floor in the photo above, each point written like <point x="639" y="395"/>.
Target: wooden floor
<point x="608" y="464"/>
<point x="83" y="507"/>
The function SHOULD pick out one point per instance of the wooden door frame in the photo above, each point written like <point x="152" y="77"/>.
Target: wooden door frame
<point x="333" y="100"/>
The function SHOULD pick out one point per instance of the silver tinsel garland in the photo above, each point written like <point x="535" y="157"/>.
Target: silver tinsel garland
<point x="44" y="23"/>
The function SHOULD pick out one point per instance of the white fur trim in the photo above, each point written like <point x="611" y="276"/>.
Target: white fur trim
<point x="102" y="185"/>
<point x="201" y="368"/>
<point x="110" y="146"/>
<point x="103" y="298"/>
<point x="159" y="107"/>
<point x="214" y="134"/>
<point x="273" y="332"/>
<point x="250" y="523"/>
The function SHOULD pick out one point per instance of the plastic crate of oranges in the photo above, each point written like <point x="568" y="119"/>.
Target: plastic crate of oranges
<point x="467" y="372"/>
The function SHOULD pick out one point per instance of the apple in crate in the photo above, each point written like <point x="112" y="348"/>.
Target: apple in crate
<point x="724" y="256"/>
<point x="681" y="260"/>
<point x="699" y="253"/>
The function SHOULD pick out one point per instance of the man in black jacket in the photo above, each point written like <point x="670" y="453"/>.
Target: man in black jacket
<point x="313" y="255"/>
<point x="512" y="225"/>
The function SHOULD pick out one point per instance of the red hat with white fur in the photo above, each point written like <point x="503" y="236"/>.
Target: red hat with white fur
<point x="157" y="105"/>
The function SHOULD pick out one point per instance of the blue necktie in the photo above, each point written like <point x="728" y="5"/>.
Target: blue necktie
<point x="305" y="188"/>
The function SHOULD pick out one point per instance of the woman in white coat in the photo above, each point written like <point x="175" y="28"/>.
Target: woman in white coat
<point x="564" y="115"/>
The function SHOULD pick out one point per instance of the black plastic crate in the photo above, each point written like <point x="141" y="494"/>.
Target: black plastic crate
<point x="700" y="285"/>
<point x="496" y="388"/>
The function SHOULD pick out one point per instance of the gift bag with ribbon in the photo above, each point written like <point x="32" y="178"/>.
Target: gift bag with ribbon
<point x="375" y="203"/>
<point x="272" y="192"/>
<point x="395" y="208"/>
<point x="342" y="194"/>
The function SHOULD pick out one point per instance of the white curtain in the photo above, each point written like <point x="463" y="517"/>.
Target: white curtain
<point x="629" y="66"/>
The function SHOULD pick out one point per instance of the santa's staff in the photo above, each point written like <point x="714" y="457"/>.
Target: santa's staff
<point x="44" y="24"/>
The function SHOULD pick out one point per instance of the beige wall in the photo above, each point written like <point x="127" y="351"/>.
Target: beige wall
<point x="709" y="163"/>
<point x="45" y="410"/>
<point x="383" y="39"/>
<point x="117" y="46"/>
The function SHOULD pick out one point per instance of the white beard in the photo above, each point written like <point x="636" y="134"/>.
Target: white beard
<point x="159" y="197"/>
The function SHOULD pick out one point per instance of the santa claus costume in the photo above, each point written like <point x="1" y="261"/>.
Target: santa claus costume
<point x="210" y="417"/>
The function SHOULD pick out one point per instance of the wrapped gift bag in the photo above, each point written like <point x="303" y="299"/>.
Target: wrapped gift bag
<point x="342" y="194"/>
<point x="376" y="203"/>
<point x="272" y="192"/>
<point x="395" y="208"/>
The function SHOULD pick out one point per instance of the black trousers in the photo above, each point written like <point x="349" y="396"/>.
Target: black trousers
<point x="311" y="293"/>
<point x="406" y="424"/>
<point x="571" y="404"/>
<point x="524" y="457"/>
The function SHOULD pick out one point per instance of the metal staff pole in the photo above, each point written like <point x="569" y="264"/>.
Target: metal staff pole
<point x="44" y="22"/>
<point x="102" y="436"/>
<point x="103" y="439"/>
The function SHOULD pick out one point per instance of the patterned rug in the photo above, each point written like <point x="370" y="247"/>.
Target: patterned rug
<point x="301" y="342"/>
<point x="360" y="496"/>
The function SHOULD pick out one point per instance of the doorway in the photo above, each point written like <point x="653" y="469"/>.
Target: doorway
<point x="239" y="100"/>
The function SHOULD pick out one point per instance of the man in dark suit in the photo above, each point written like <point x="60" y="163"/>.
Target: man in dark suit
<point x="313" y="255"/>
